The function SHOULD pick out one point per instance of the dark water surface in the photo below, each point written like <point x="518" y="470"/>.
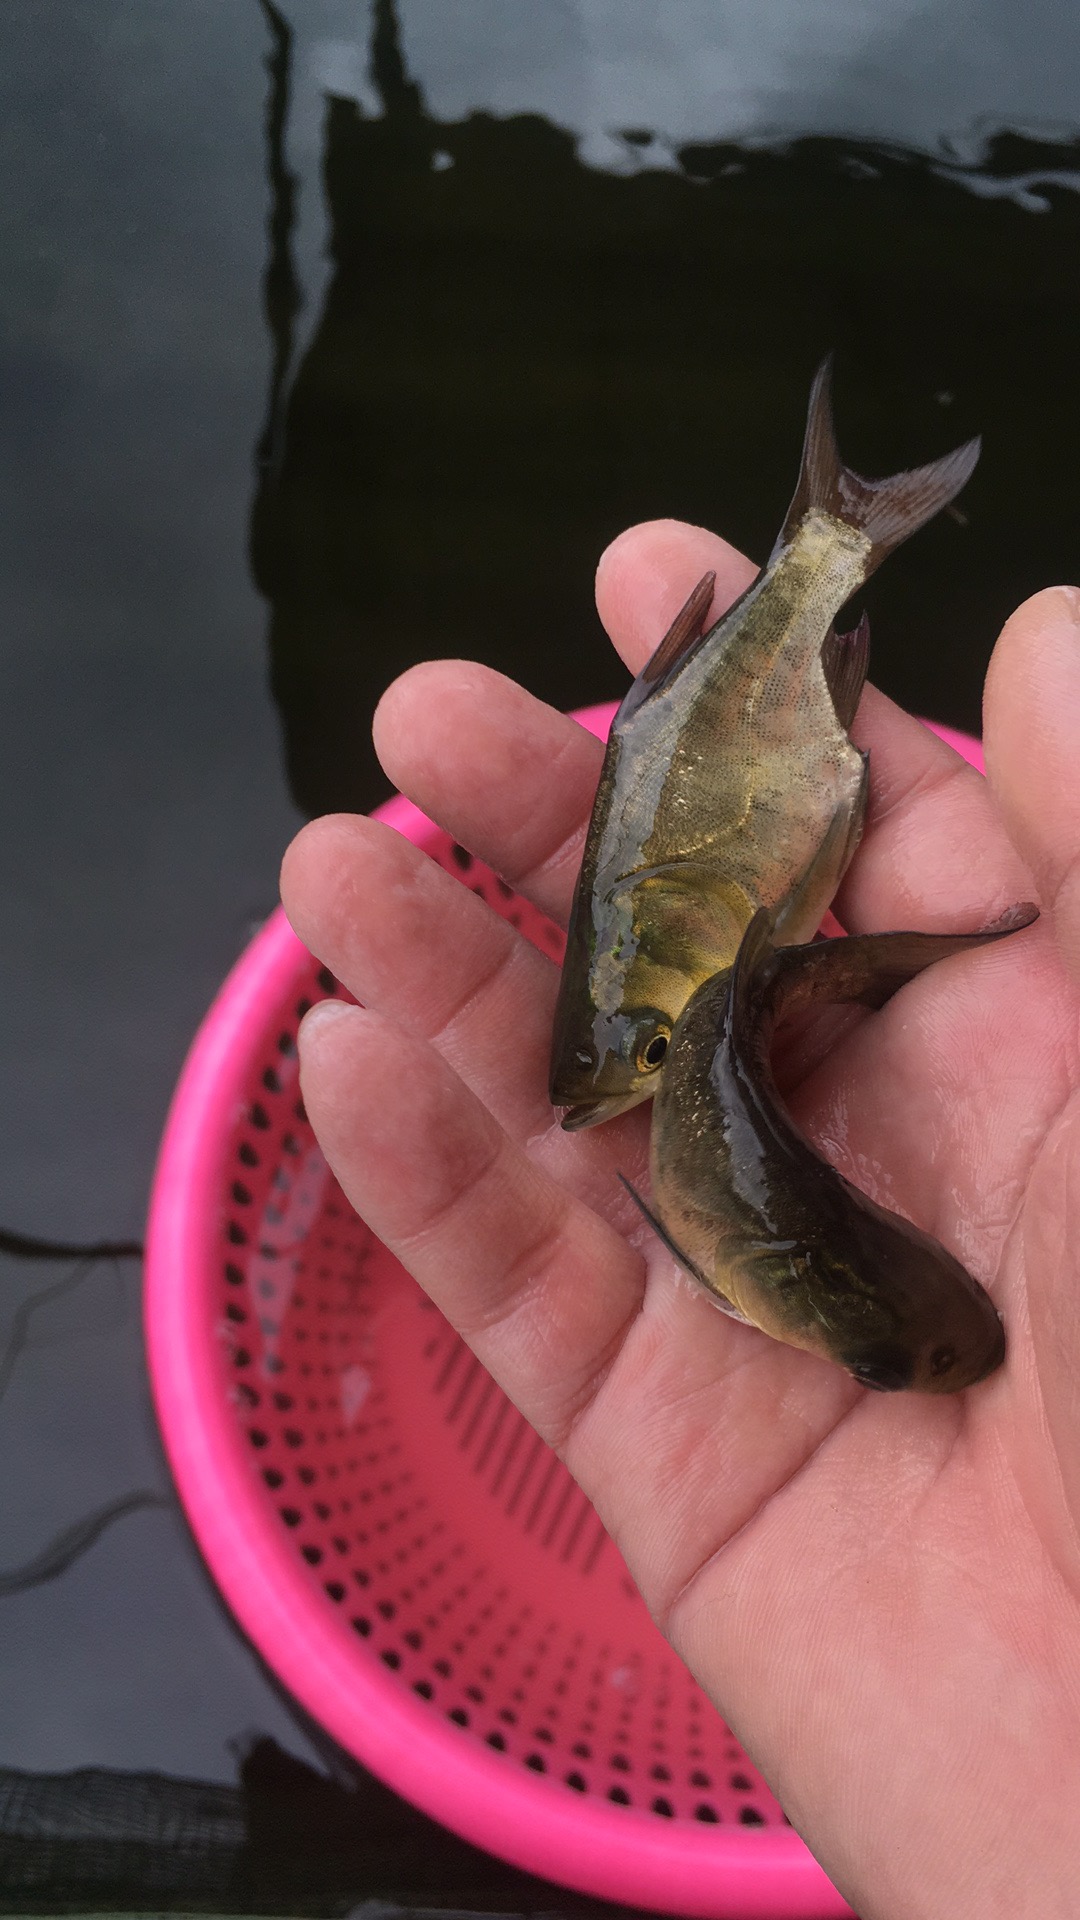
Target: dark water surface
<point x="330" y="342"/>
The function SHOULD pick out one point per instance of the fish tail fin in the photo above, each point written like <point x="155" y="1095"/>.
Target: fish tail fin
<point x="864" y="969"/>
<point x="887" y="511"/>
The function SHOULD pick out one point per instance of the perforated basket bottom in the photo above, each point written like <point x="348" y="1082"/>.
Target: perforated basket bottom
<point x="443" y="1537"/>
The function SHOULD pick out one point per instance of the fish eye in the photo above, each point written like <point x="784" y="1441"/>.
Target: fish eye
<point x="941" y="1361"/>
<point x="648" y="1040"/>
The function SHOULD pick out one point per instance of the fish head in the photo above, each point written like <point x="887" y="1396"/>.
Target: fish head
<point x="893" y="1308"/>
<point x="936" y="1330"/>
<point x="634" y="958"/>
<point x="606" y="1061"/>
<point x="952" y="1351"/>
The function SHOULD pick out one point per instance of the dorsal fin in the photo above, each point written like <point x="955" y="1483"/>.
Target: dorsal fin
<point x="678" y="645"/>
<point x="887" y="511"/>
<point x="845" y="658"/>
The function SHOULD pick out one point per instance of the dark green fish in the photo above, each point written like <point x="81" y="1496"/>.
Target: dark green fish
<point x="748" y="1207"/>
<point x="729" y="781"/>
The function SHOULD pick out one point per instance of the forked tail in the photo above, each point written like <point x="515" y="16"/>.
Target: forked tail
<point x="887" y="511"/>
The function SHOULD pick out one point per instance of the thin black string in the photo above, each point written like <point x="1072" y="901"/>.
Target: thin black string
<point x="27" y="1246"/>
<point x="70" y="1545"/>
<point x="24" y="1313"/>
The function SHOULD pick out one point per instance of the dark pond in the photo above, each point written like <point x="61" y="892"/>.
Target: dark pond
<point x="332" y="340"/>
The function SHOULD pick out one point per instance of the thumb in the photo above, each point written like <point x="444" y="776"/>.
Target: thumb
<point x="1031" y="738"/>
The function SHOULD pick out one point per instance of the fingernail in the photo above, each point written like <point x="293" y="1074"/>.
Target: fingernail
<point x="320" y="1018"/>
<point x="1070" y="602"/>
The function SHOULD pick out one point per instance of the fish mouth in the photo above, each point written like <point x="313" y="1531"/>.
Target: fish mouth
<point x="590" y="1113"/>
<point x="881" y="1379"/>
<point x="884" y="1369"/>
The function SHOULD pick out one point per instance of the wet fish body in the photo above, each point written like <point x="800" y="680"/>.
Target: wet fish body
<point x="729" y="781"/>
<point x="774" y="1232"/>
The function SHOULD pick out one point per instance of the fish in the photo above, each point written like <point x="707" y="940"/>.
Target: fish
<point x="730" y="781"/>
<point x="753" y="1212"/>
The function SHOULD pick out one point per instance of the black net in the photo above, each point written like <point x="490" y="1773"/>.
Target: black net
<point x="286" y="1839"/>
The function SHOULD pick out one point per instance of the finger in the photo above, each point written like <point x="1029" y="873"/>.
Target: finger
<point x="416" y="945"/>
<point x="1032" y="719"/>
<point x="408" y="940"/>
<point x="934" y="853"/>
<point x="541" y="1288"/>
<point x="411" y="942"/>
<point x="505" y="774"/>
<point x="509" y="777"/>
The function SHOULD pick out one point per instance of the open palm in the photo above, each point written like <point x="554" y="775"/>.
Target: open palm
<point x="881" y="1593"/>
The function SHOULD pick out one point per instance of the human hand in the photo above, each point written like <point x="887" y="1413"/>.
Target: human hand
<point x="881" y="1593"/>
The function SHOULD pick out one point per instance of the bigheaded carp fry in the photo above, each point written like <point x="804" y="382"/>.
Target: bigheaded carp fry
<point x="774" y="1232"/>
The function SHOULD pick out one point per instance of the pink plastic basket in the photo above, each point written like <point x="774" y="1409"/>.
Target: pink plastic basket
<point x="408" y="1557"/>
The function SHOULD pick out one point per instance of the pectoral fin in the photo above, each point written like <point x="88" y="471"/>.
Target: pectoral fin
<point x="677" y="1253"/>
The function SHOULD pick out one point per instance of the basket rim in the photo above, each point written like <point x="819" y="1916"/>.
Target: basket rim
<point x="618" y="1853"/>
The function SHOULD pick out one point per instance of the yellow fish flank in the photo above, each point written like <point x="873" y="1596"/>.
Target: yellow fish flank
<point x="729" y="781"/>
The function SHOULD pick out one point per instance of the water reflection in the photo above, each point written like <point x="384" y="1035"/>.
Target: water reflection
<point x="889" y="70"/>
<point x="519" y="353"/>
